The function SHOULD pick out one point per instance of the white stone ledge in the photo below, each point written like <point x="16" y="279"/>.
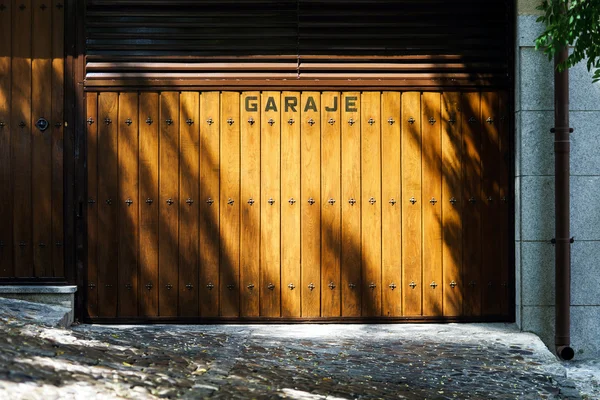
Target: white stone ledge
<point x="42" y="289"/>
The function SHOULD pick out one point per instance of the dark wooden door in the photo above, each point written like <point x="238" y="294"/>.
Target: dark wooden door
<point x="31" y="139"/>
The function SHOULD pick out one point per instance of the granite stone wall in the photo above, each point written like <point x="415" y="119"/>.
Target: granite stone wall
<point x="534" y="186"/>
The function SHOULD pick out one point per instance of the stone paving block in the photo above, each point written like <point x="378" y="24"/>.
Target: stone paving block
<point x="45" y="314"/>
<point x="585" y="373"/>
<point x="320" y="361"/>
<point x="63" y="296"/>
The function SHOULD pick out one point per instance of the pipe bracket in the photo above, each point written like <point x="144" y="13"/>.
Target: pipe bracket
<point x="561" y="129"/>
<point x="563" y="240"/>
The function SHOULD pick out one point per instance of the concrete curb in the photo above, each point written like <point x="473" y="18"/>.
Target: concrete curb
<point x="35" y="313"/>
<point x="61" y="296"/>
<point x="12" y="289"/>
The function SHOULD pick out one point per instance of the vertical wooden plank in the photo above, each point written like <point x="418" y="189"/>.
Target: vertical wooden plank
<point x="452" y="204"/>
<point x="168" y="211"/>
<point x="230" y="204"/>
<point x="41" y="141"/>
<point x="250" y="204"/>
<point x="148" y="123"/>
<point x="21" y="129"/>
<point x="412" y="282"/>
<point x="504" y="212"/>
<point x="128" y="204"/>
<point x="6" y="192"/>
<point x="270" y="232"/>
<point x="391" y="198"/>
<point x="431" y="161"/>
<point x="371" y="203"/>
<point x="209" y="203"/>
<point x="471" y="160"/>
<point x="108" y="204"/>
<point x="290" y="204"/>
<point x="58" y="78"/>
<point x="351" y="205"/>
<point x="310" y="189"/>
<point x="490" y="196"/>
<point x="189" y="165"/>
<point x="93" y="203"/>
<point x="331" y="229"/>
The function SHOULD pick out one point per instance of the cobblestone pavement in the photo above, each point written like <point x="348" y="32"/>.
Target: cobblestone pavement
<point x="478" y="361"/>
<point x="585" y="373"/>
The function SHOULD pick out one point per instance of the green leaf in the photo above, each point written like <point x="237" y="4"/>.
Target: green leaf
<point x="574" y="23"/>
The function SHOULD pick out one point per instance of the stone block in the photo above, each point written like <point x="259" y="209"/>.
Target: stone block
<point x="44" y="314"/>
<point x="516" y="71"/>
<point x="518" y="214"/>
<point x="584" y="95"/>
<point x="537" y="208"/>
<point x="517" y="142"/>
<point x="518" y="287"/>
<point x="585" y="331"/>
<point x="585" y="146"/>
<point x="63" y="296"/>
<point x="527" y="27"/>
<point x="537" y="273"/>
<point x="536" y="77"/>
<point x="539" y="320"/>
<point x="585" y="273"/>
<point x="537" y="143"/>
<point x="585" y="207"/>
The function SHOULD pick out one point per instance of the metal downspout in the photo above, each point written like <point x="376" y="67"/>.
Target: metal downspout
<point x="562" y="148"/>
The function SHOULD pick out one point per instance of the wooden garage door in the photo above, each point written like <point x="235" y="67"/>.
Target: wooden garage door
<point x="298" y="205"/>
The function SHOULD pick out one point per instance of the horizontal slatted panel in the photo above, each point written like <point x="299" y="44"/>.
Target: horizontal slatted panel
<point x="140" y="27"/>
<point x="360" y="43"/>
<point x="402" y="27"/>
